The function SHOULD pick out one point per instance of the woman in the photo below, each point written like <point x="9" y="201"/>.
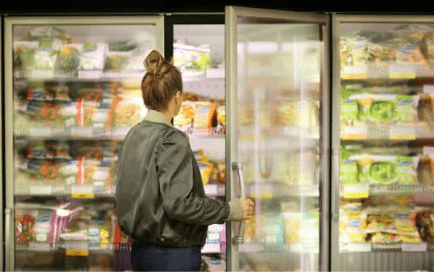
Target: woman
<point x="160" y="197"/>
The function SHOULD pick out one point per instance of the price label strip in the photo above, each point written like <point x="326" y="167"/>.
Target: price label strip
<point x="82" y="192"/>
<point x="355" y="133"/>
<point x="76" y="248"/>
<point x="402" y="133"/>
<point x="355" y="72"/>
<point x="355" y="191"/>
<point x="402" y="71"/>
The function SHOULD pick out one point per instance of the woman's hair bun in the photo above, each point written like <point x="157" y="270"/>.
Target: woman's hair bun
<point x="156" y="64"/>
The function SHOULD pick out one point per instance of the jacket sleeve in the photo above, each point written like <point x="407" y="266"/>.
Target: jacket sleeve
<point x="176" y="178"/>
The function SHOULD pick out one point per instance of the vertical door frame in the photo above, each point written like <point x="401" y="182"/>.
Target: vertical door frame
<point x="2" y="151"/>
<point x="323" y="20"/>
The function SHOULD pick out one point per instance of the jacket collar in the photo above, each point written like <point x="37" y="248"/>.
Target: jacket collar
<point x="158" y="117"/>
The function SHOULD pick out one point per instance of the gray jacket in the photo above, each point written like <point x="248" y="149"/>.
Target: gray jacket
<point x="160" y="197"/>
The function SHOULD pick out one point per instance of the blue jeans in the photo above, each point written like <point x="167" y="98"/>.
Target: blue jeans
<point x="148" y="257"/>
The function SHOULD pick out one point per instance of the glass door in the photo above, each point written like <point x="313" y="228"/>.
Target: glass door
<point x="72" y="93"/>
<point x="383" y="143"/>
<point x="277" y="138"/>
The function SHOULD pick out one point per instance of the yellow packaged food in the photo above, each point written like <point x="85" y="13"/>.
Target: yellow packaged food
<point x="292" y="224"/>
<point x="410" y="238"/>
<point x="207" y="171"/>
<point x="201" y="117"/>
<point x="186" y="115"/>
<point x="299" y="113"/>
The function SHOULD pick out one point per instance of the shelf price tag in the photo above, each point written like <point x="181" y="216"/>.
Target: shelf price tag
<point x="402" y="71"/>
<point x="41" y="190"/>
<point x="355" y="191"/>
<point x="85" y="192"/>
<point x="355" y="133"/>
<point x="76" y="248"/>
<point x="355" y="72"/>
<point x="414" y="247"/>
<point x="402" y="133"/>
<point x="358" y="247"/>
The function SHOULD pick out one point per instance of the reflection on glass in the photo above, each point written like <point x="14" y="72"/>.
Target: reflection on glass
<point x="279" y="68"/>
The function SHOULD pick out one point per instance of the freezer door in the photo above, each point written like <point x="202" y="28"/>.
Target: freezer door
<point x="382" y="143"/>
<point x="72" y="92"/>
<point x="277" y="138"/>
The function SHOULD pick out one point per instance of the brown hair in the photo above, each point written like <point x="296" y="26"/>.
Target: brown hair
<point x="160" y="83"/>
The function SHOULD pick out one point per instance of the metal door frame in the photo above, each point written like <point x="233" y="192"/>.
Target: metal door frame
<point x="231" y="14"/>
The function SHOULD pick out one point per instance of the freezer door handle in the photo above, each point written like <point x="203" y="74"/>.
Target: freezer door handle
<point x="237" y="167"/>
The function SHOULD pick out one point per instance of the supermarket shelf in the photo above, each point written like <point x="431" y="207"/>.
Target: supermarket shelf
<point x="365" y="190"/>
<point x="403" y="132"/>
<point x="89" y="133"/>
<point x="81" y="248"/>
<point x="395" y="247"/>
<point x="90" y="192"/>
<point x="76" y="75"/>
<point x="386" y="71"/>
<point x="261" y="247"/>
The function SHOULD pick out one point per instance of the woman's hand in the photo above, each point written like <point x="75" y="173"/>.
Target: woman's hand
<point x="248" y="208"/>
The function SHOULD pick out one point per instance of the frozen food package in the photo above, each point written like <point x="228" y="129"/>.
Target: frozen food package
<point x="24" y="54"/>
<point x="72" y="172"/>
<point x="92" y="56"/>
<point x="127" y="113"/>
<point x="68" y="57"/>
<point x="135" y="62"/>
<point x="386" y="108"/>
<point x="360" y="167"/>
<point x="38" y="149"/>
<point x="246" y="113"/>
<point x="186" y="116"/>
<point x="348" y="173"/>
<point x="299" y="167"/>
<point x="46" y="54"/>
<point x="410" y="54"/>
<point x="292" y="224"/>
<point x="274" y="234"/>
<point x="72" y="114"/>
<point x="42" y="226"/>
<point x="208" y="172"/>
<point x="425" y="170"/>
<point x="299" y="113"/>
<point x="117" y="61"/>
<point x="359" y="50"/>
<point x="201" y="116"/>
<point x="221" y="115"/>
<point x="425" y="224"/>
<point x="46" y="171"/>
<point x="42" y="113"/>
<point x="191" y="60"/>
<point x="24" y="226"/>
<point x="388" y="169"/>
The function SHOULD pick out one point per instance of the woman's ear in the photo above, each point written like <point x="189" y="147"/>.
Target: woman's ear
<point x="179" y="97"/>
